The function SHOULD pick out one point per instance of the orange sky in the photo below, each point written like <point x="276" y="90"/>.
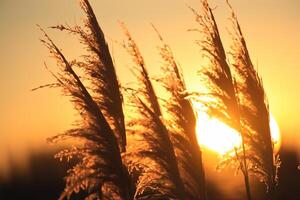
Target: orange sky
<point x="271" y="29"/>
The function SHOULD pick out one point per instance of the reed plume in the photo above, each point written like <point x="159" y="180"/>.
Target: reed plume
<point x="181" y="125"/>
<point x="218" y="77"/>
<point x="99" y="170"/>
<point x="254" y="111"/>
<point x="100" y="71"/>
<point x="150" y="155"/>
<point x="222" y="101"/>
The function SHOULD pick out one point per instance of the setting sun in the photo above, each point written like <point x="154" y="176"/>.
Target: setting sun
<point x="219" y="137"/>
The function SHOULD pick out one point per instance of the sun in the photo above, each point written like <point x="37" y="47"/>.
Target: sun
<point x="219" y="137"/>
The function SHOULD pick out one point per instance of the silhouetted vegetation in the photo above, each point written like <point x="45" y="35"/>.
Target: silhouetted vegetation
<point x="155" y="154"/>
<point x="238" y="99"/>
<point x="150" y="157"/>
<point x="181" y="124"/>
<point x="254" y="111"/>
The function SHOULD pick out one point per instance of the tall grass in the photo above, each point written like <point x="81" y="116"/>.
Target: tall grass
<point x="150" y="156"/>
<point x="221" y="102"/>
<point x="254" y="110"/>
<point x="162" y="159"/>
<point x="99" y="171"/>
<point x="100" y="70"/>
<point x="181" y="124"/>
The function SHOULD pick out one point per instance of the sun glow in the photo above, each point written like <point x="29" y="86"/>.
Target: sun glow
<point x="219" y="137"/>
<point x="275" y="133"/>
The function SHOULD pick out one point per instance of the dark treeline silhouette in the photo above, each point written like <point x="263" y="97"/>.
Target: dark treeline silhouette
<point x="289" y="176"/>
<point x="44" y="181"/>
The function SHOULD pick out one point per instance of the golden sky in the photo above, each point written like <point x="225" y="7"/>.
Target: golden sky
<point x="271" y="29"/>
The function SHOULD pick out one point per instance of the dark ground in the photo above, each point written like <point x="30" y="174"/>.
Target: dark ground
<point x="44" y="180"/>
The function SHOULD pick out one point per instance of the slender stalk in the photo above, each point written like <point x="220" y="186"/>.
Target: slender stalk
<point x="245" y="171"/>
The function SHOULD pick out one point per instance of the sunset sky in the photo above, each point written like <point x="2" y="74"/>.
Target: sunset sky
<point x="271" y="29"/>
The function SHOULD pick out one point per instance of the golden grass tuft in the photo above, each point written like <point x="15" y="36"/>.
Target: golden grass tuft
<point x="150" y="156"/>
<point x="181" y="124"/>
<point x="254" y="109"/>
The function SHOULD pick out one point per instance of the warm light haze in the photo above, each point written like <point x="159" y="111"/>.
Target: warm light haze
<point x="75" y="103"/>
<point x="208" y="129"/>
